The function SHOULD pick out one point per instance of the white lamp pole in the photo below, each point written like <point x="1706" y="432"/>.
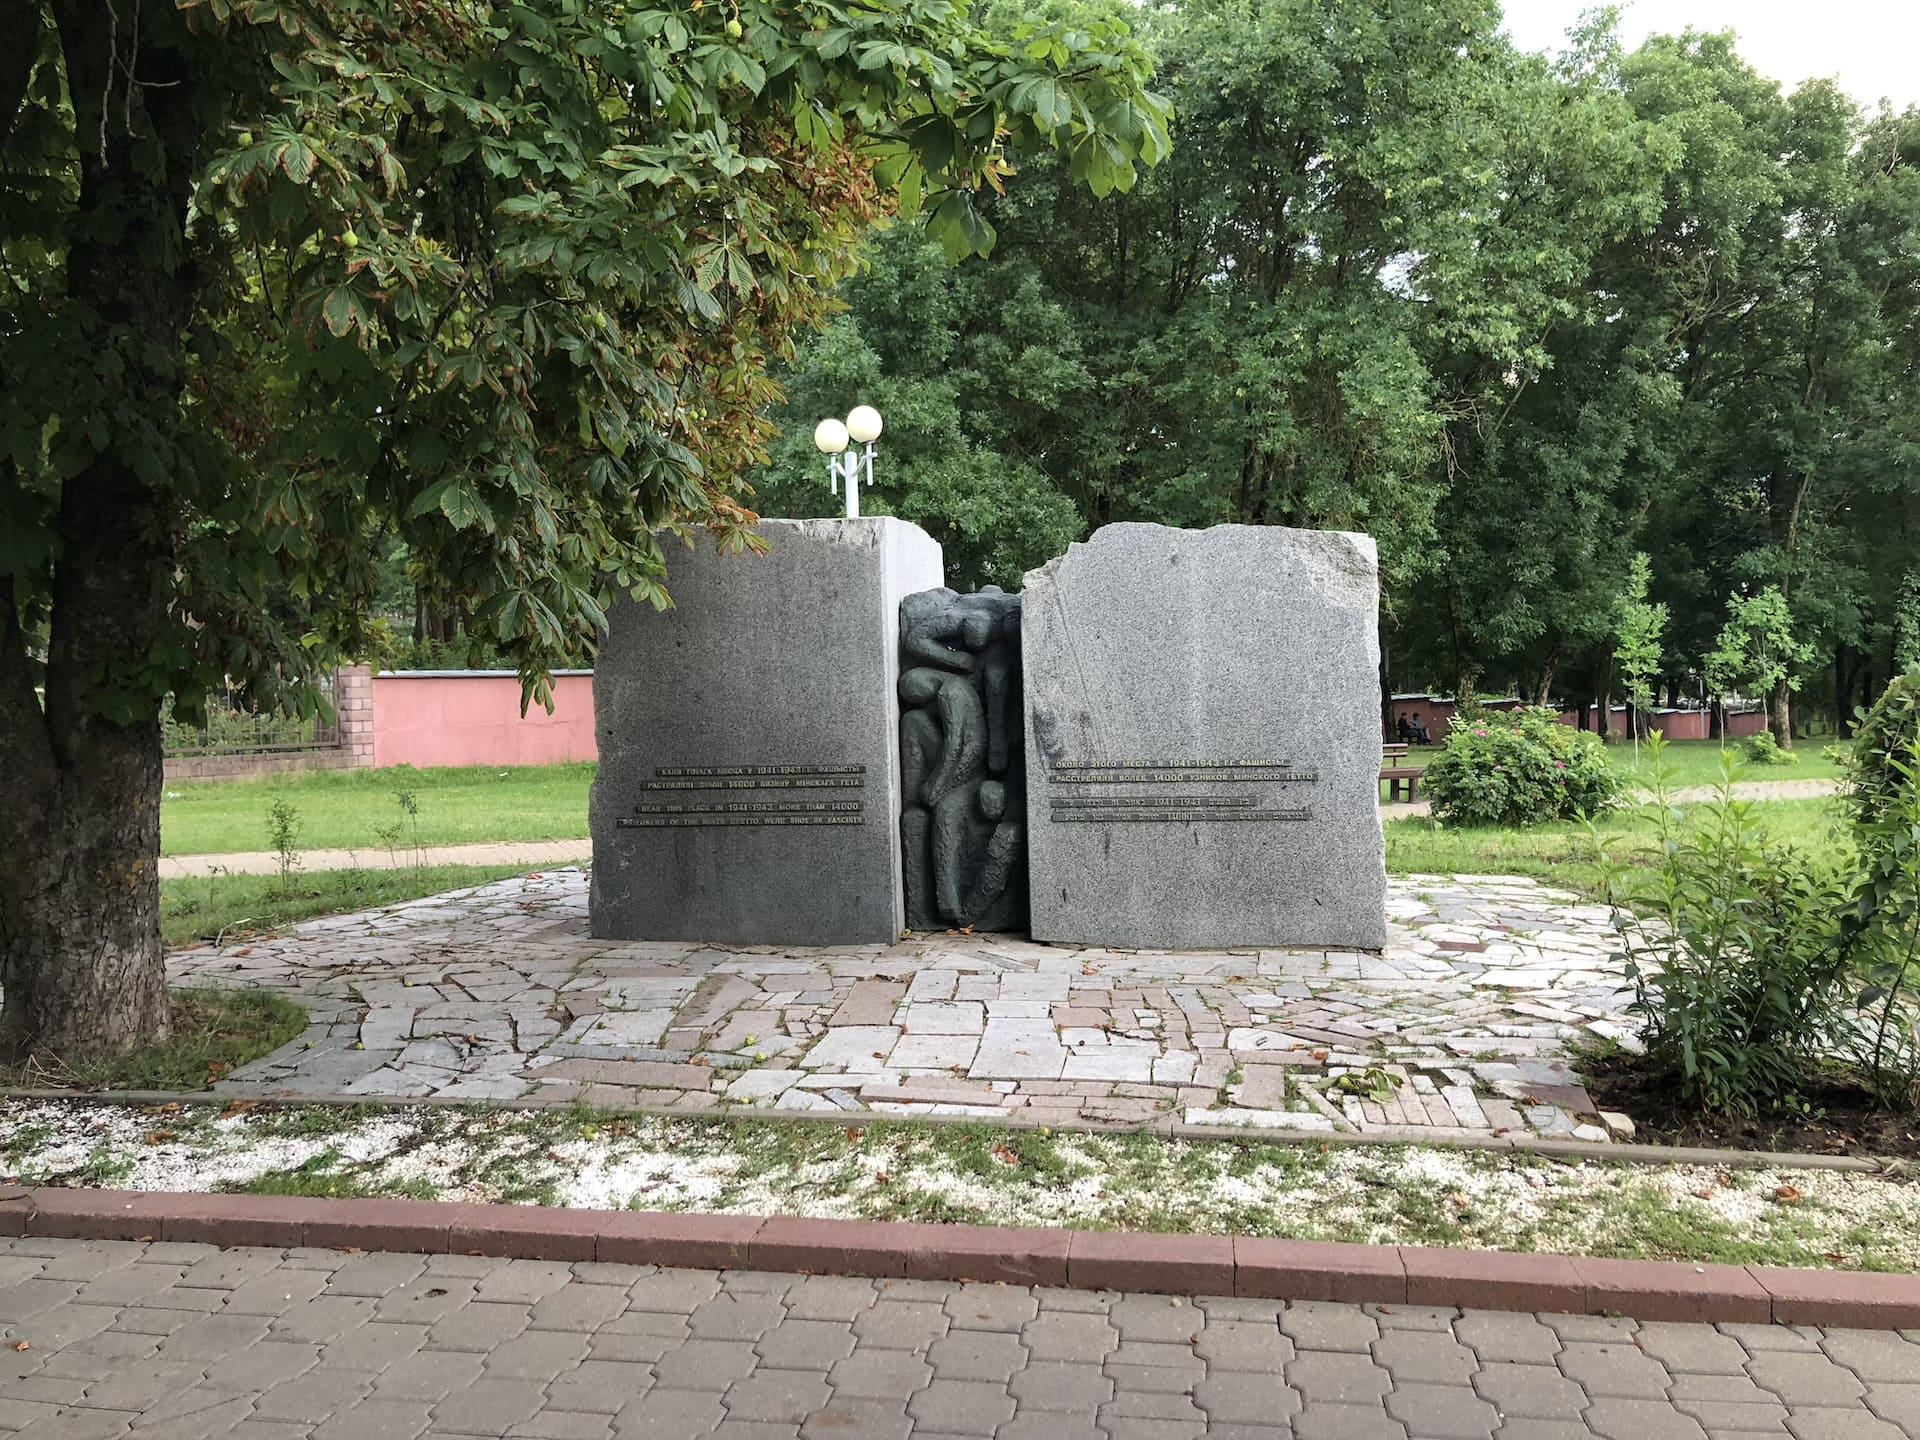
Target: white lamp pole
<point x="833" y="437"/>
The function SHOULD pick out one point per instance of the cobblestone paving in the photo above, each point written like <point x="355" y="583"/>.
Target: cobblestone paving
<point x="1461" y="1025"/>
<point x="187" y="1342"/>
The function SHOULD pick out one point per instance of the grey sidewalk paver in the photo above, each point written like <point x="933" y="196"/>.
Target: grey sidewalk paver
<point x="633" y="1362"/>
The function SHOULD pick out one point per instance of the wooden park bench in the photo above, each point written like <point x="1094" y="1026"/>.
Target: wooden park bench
<point x="1401" y="779"/>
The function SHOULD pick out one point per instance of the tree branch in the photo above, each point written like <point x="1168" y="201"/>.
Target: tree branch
<point x="23" y="724"/>
<point x="21" y="19"/>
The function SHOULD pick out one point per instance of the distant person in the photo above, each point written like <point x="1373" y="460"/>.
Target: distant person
<point x="1419" y="727"/>
<point x="1403" y="729"/>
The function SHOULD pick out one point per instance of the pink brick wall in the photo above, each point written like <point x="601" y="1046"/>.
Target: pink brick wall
<point x="432" y="717"/>
<point x="353" y="703"/>
<point x="1674" y="724"/>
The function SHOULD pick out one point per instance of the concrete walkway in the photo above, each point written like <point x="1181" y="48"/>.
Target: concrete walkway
<point x="189" y="1342"/>
<point x="531" y="853"/>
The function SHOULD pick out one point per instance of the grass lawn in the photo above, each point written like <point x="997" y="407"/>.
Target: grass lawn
<point x="213" y="1032"/>
<point x="346" y="809"/>
<point x="1562" y="854"/>
<point x="204" y="907"/>
<point x="1370" y="1194"/>
<point x="1696" y="762"/>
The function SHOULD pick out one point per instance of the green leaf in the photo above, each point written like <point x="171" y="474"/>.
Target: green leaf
<point x="959" y="227"/>
<point x="342" y="312"/>
<point x="463" y="507"/>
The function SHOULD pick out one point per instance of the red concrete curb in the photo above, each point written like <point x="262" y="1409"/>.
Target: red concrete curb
<point x="1670" y="1290"/>
<point x="1492" y="1280"/>
<point x="1856" y="1300"/>
<point x="1318" y="1270"/>
<point x="1160" y="1264"/>
<point x="1167" y="1264"/>
<point x="695" y="1242"/>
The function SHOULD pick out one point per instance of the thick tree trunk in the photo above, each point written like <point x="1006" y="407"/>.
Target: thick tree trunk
<point x="1386" y="696"/>
<point x="1466" y="686"/>
<point x="1604" y="697"/>
<point x="81" y="963"/>
<point x="80" y="956"/>
<point x="1780" y="715"/>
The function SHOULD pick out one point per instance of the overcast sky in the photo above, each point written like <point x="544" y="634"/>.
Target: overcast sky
<point x="1871" y="46"/>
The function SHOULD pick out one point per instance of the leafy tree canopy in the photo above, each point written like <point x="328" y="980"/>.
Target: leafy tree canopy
<point x="1521" y="318"/>
<point x="283" y="279"/>
<point x="504" y="277"/>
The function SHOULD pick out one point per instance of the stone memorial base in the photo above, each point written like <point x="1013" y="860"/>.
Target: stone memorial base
<point x="1203" y="740"/>
<point x="748" y="791"/>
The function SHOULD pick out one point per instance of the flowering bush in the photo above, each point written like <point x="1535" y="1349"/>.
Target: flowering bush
<point x="1519" y="767"/>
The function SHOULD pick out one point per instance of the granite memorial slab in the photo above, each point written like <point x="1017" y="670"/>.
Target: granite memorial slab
<point x="748" y="790"/>
<point x="1203" y="740"/>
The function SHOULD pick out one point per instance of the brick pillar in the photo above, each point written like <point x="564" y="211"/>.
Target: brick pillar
<point x="353" y="700"/>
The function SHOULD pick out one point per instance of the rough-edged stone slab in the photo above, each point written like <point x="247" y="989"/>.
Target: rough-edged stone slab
<point x="748" y="788"/>
<point x="1203" y="739"/>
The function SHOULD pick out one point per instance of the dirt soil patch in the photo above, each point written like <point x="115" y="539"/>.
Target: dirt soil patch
<point x="1840" y="1118"/>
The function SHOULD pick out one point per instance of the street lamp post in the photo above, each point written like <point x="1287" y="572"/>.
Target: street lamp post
<point x="833" y="438"/>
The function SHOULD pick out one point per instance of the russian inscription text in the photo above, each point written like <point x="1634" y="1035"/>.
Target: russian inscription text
<point x="1137" y="808"/>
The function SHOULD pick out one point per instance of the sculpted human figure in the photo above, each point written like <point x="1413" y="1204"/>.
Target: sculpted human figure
<point x="920" y="746"/>
<point x="949" y="789"/>
<point x="959" y="712"/>
<point x="949" y="634"/>
<point x="992" y="900"/>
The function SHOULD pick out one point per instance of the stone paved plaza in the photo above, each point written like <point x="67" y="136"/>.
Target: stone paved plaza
<point x="186" y="1342"/>
<point x="1461" y="1025"/>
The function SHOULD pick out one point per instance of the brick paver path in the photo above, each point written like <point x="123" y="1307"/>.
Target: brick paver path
<point x="1689" y="794"/>
<point x="186" y="1342"/>
<point x="1461" y="1025"/>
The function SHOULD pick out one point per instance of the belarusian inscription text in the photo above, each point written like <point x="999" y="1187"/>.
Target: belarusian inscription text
<point x="677" y="814"/>
<point x="757" y="777"/>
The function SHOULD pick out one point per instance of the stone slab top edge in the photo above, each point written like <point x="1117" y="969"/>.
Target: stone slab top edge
<point x="860" y="529"/>
<point x="1251" y="1267"/>
<point x="1364" y="552"/>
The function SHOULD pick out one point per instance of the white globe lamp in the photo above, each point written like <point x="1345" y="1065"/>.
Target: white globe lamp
<point x="863" y="424"/>
<point x="830" y="437"/>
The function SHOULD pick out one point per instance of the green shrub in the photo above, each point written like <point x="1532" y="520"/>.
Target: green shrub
<point x="1763" y="749"/>
<point x="1735" y="949"/>
<point x="1755" y="965"/>
<point x="1883" y="925"/>
<point x="1885" y="750"/>
<point x="1519" y="767"/>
